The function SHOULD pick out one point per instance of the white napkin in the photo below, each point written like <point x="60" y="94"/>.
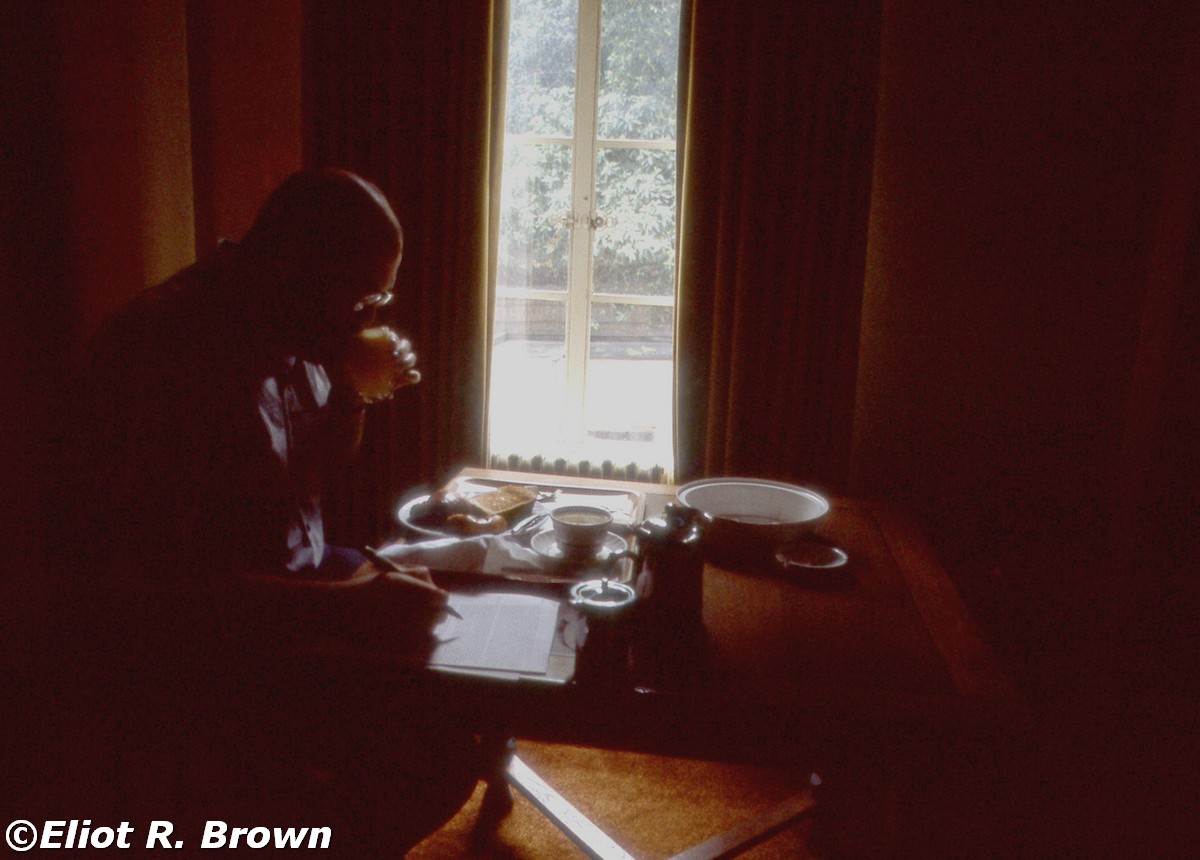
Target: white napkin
<point x="486" y="553"/>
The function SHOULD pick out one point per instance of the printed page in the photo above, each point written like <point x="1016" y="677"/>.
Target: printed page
<point x="498" y="631"/>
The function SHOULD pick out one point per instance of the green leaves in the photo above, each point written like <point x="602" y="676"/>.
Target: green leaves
<point x="634" y="246"/>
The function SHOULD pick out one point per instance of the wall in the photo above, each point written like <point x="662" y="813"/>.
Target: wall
<point x="244" y="70"/>
<point x="1023" y="158"/>
<point x="97" y="205"/>
<point x="127" y="158"/>
<point x="1019" y="167"/>
<point x="100" y="132"/>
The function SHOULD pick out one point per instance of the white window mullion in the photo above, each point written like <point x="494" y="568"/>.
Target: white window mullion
<point x="663" y="145"/>
<point x="582" y="195"/>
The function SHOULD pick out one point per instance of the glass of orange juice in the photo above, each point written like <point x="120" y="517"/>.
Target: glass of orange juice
<point x="371" y="362"/>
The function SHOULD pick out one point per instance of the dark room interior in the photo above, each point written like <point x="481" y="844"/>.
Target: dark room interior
<point x="997" y="319"/>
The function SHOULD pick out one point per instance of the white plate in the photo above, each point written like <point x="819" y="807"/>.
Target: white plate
<point x="405" y="515"/>
<point x="546" y="545"/>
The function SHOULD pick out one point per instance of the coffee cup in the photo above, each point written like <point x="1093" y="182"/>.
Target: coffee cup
<point x="371" y="362"/>
<point x="580" y="529"/>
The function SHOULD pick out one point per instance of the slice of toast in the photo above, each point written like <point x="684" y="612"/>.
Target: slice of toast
<point x="508" y="501"/>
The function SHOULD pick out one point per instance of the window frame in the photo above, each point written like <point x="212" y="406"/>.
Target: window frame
<point x="582" y="222"/>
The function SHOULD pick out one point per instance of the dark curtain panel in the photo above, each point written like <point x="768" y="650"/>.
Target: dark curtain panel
<point x="779" y="98"/>
<point x="403" y="93"/>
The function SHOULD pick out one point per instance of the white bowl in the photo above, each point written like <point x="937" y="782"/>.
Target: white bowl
<point x="754" y="513"/>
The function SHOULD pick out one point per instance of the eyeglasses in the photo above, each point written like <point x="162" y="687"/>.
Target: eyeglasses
<point x="373" y="301"/>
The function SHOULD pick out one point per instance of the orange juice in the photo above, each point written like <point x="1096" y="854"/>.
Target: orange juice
<point x="371" y="362"/>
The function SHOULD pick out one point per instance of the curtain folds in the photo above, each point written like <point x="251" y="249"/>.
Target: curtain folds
<point x="776" y="151"/>
<point x="776" y="158"/>
<point x="403" y="93"/>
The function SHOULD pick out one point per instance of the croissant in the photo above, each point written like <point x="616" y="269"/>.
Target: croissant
<point x="439" y="507"/>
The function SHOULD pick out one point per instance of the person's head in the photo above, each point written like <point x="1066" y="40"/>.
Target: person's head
<point x="327" y="245"/>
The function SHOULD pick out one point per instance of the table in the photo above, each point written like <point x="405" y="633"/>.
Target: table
<point x="895" y="638"/>
<point x="856" y="670"/>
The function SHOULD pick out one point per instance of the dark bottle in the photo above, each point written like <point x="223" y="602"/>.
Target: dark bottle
<point x="671" y="594"/>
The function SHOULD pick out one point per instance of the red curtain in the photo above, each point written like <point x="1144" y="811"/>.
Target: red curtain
<point x="778" y="100"/>
<point x="403" y="93"/>
<point x="778" y="142"/>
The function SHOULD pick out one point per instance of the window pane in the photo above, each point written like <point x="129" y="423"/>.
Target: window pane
<point x="582" y="356"/>
<point x="541" y="67"/>
<point x="529" y="382"/>
<point x="635" y="247"/>
<point x="628" y="404"/>
<point x="534" y="239"/>
<point x="639" y="60"/>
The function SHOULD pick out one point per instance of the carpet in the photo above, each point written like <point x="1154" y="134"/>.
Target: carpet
<point x="653" y="806"/>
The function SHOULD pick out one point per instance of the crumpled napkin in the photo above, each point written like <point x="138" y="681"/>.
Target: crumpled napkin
<point x="484" y="553"/>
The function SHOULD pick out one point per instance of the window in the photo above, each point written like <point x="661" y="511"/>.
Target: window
<point x="584" y="315"/>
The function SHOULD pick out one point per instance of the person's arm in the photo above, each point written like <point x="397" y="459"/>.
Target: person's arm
<point x="347" y="418"/>
<point x="369" y="597"/>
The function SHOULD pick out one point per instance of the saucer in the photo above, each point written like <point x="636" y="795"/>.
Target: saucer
<point x="811" y="555"/>
<point x="546" y="545"/>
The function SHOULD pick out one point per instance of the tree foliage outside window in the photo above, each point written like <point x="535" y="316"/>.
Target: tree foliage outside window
<point x="639" y="45"/>
<point x="636" y="187"/>
<point x="581" y="363"/>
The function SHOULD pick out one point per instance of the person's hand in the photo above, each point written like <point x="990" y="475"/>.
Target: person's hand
<point x="411" y="571"/>
<point x="405" y="364"/>
<point x="378" y="362"/>
<point x="407" y="596"/>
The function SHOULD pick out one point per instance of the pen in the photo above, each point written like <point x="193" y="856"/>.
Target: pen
<point x="377" y="556"/>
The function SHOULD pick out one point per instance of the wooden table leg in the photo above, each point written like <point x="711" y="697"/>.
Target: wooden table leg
<point x="496" y="751"/>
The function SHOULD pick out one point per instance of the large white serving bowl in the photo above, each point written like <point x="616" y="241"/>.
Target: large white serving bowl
<point x="754" y="513"/>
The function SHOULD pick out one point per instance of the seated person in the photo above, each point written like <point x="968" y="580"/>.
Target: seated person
<point x="212" y="409"/>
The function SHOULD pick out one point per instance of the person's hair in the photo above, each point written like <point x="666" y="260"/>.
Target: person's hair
<point x="316" y="221"/>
